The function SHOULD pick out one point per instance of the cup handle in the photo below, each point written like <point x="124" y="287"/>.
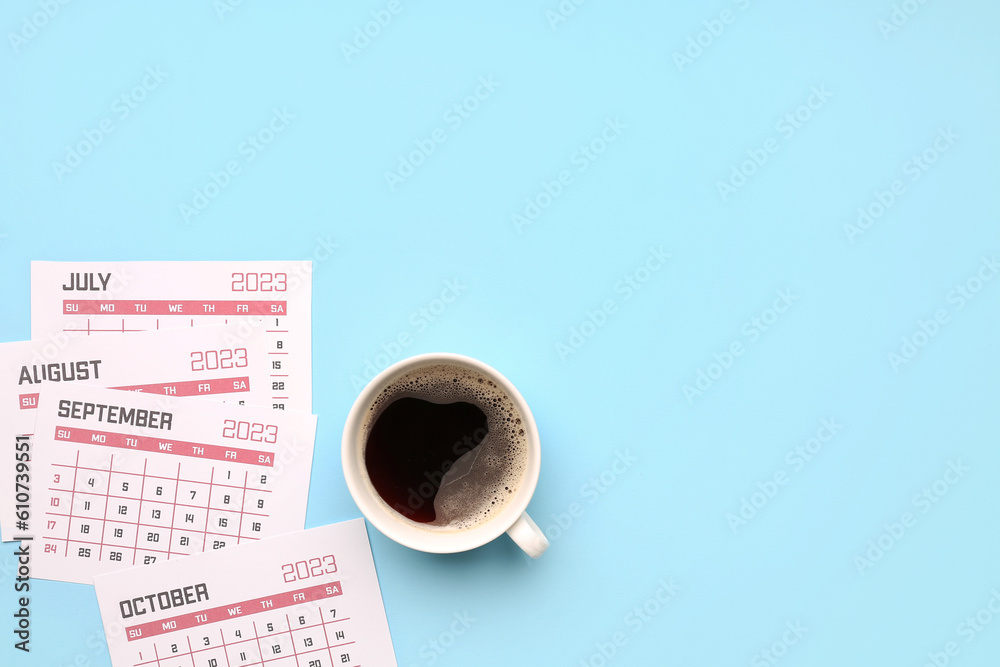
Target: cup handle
<point x="527" y="535"/>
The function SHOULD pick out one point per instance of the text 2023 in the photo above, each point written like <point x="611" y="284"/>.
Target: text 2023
<point x="314" y="567"/>
<point x="251" y="431"/>
<point x="211" y="360"/>
<point x="260" y="282"/>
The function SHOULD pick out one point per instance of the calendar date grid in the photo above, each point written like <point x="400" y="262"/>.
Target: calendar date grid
<point x="275" y="641"/>
<point x="222" y="513"/>
<point x="234" y="654"/>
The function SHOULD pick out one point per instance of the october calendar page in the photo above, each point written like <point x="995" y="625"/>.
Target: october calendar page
<point x="308" y="599"/>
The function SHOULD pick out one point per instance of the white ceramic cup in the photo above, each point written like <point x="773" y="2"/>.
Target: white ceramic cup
<point x="511" y="519"/>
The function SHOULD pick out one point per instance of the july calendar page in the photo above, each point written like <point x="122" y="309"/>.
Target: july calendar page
<point x="125" y="479"/>
<point x="222" y="363"/>
<point x="102" y="298"/>
<point x="308" y="599"/>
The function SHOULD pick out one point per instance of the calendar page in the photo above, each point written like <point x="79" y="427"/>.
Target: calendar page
<point x="227" y="362"/>
<point x="91" y="298"/>
<point x="310" y="599"/>
<point x="124" y="479"/>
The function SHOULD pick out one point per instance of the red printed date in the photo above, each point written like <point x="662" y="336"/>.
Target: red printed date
<point x="212" y="360"/>
<point x="251" y="431"/>
<point x="313" y="567"/>
<point x="260" y="282"/>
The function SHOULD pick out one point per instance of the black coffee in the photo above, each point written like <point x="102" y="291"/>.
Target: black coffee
<point x="411" y="446"/>
<point x="444" y="446"/>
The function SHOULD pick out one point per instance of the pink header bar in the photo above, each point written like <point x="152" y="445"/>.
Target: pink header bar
<point x="164" y="307"/>
<point x="235" y="610"/>
<point x="194" y="387"/>
<point x="236" y="385"/>
<point x="142" y="443"/>
<point x="27" y="401"/>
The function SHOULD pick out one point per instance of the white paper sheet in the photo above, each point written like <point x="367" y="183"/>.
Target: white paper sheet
<point x="91" y="298"/>
<point x="310" y="599"/>
<point x="124" y="479"/>
<point x="222" y="363"/>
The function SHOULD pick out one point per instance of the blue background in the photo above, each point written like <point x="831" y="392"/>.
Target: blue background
<point x="602" y="385"/>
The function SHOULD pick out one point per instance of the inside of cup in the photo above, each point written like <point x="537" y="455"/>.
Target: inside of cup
<point x="479" y="473"/>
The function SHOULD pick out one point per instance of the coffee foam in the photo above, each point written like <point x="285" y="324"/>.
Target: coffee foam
<point x="480" y="482"/>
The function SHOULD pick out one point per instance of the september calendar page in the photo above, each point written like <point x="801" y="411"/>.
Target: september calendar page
<point x="225" y="362"/>
<point x="125" y="479"/>
<point x="92" y="298"/>
<point x="310" y="599"/>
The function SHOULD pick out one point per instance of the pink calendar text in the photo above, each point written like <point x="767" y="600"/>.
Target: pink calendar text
<point x="242" y="609"/>
<point x="120" y="307"/>
<point x="259" y="282"/>
<point x="246" y="431"/>
<point x="211" y="360"/>
<point x="172" y="447"/>
<point x="303" y="569"/>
